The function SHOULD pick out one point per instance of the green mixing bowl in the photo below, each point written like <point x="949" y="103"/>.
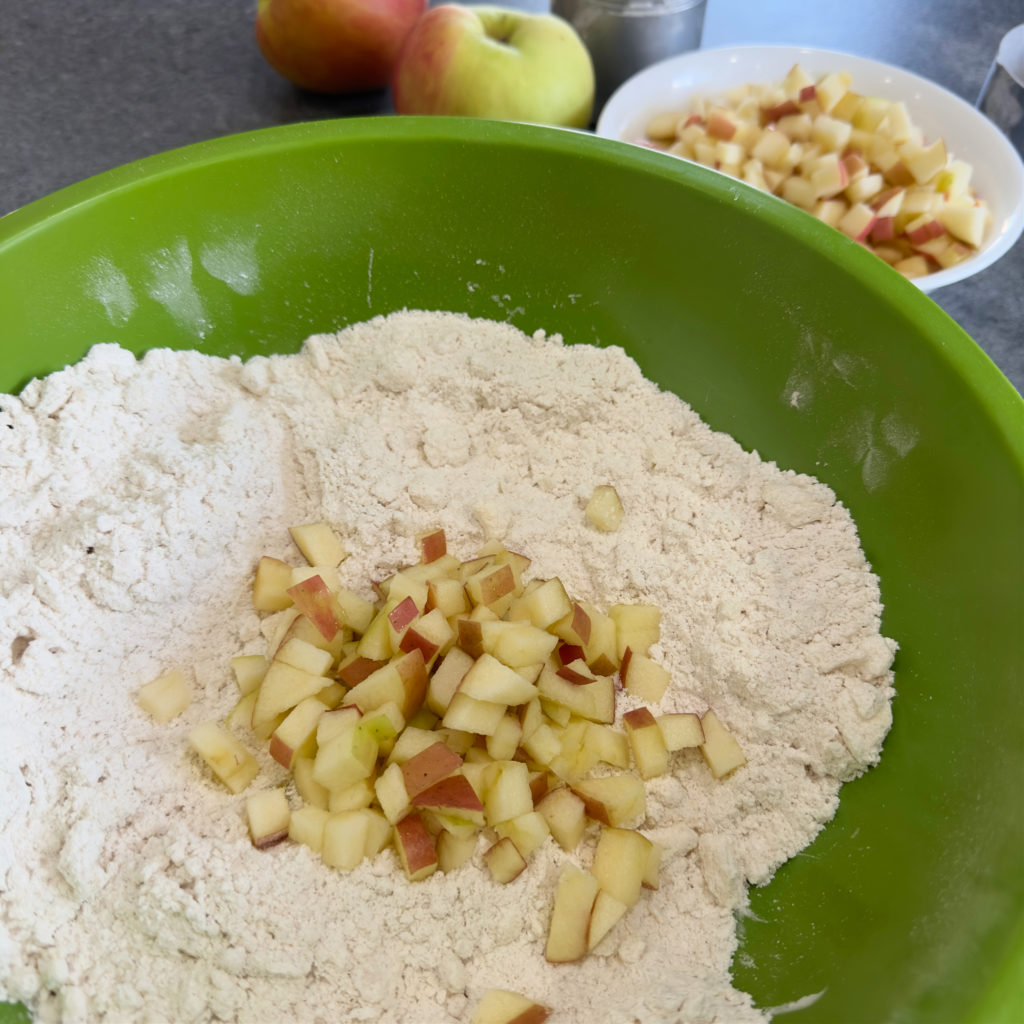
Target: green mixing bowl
<point x="775" y="328"/>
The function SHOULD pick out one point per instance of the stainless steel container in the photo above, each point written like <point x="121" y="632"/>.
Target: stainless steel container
<point x="1002" y="96"/>
<point x="625" y="36"/>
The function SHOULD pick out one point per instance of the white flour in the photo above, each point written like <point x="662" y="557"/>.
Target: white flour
<point x="135" y="498"/>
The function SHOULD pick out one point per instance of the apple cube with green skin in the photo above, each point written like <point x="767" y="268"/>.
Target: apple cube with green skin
<point x="268" y="816"/>
<point x="500" y="1006"/>
<point x="720" y="749"/>
<point x="570" y="915"/>
<point x="645" y="740"/>
<point x="165" y="697"/>
<point x="416" y="848"/>
<point x="226" y="756"/>
<point x="306" y="826"/>
<point x="345" y="759"/>
<point x="319" y="544"/>
<point x="504" y="861"/>
<point x="270" y="585"/>
<point x="621" y="862"/>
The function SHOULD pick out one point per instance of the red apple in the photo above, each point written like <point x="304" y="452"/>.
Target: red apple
<point x="335" y="45"/>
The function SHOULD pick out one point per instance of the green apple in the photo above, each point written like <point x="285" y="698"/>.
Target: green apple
<point x="491" y="62"/>
<point x="335" y="45"/>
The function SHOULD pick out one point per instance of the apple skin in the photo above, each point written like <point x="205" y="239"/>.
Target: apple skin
<point x="335" y="45"/>
<point x="495" y="63"/>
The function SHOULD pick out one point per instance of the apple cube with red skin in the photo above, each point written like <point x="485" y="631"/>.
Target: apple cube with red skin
<point x="546" y="603"/>
<point x="431" y="633"/>
<point x="720" y="749"/>
<point x="167" y="696"/>
<point x="417" y="850"/>
<point x="570" y="915"/>
<point x="421" y="771"/>
<point x="432" y="544"/>
<point x="267" y="814"/>
<point x="647" y="743"/>
<point x="574" y="626"/>
<point x="493" y="586"/>
<point x="594" y="701"/>
<point x="614" y="799"/>
<point x="296" y="735"/>
<point x="500" y="1006"/>
<point x="576" y="672"/>
<point x="504" y="861"/>
<point x="452" y="796"/>
<point x="316" y="601"/>
<point x="643" y="677"/>
<point x="227" y="757"/>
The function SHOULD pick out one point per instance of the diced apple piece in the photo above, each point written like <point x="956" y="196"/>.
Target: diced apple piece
<point x="489" y="680"/>
<point x="431" y="633"/>
<point x="503" y="743"/>
<point x="336" y="721"/>
<point x="594" y="701"/>
<point x="924" y="162"/>
<point x="681" y="730"/>
<point x="565" y="814"/>
<point x="454" y="796"/>
<point x="267" y="814"/>
<point x="499" y="1006"/>
<point x="607" y="744"/>
<point x="302" y="655"/>
<point x="576" y="672"/>
<point x="613" y="799"/>
<point x="226" y="756"/>
<point x="311" y="792"/>
<point x="574" y="628"/>
<point x="620" y="863"/>
<point x="249" y="670"/>
<point x="472" y="715"/>
<point x="923" y="229"/>
<point x="306" y="826"/>
<point x="858" y="221"/>
<point x="493" y="586"/>
<point x="643" y="677"/>
<point x="167" y="696"/>
<point x="296" y="735"/>
<point x="546" y="603"/>
<point x="429" y="766"/>
<point x="507" y="791"/>
<point x="570" y="915"/>
<point x="600" y="649"/>
<point x="282" y="688"/>
<point x="604" y="510"/>
<point x="454" y="851"/>
<point x="345" y="839"/>
<point x="830" y="211"/>
<point x="432" y="544"/>
<point x="966" y="222"/>
<point x="912" y="266"/>
<point x="542" y="745"/>
<point x="416" y="847"/>
<point x="607" y="912"/>
<point x="504" y="861"/>
<point x="831" y="89"/>
<point x="352" y="798"/>
<point x="720" y="749"/>
<point x="384" y="724"/>
<point x="319" y="544"/>
<point x="317" y="602"/>
<point x="637" y="626"/>
<point x="446" y="679"/>
<point x="648" y="745"/>
<point x="345" y="759"/>
<point x="448" y="596"/>
<point x="241" y="714"/>
<point x="270" y="585"/>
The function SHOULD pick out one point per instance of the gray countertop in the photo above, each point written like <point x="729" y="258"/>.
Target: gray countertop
<point x="85" y="86"/>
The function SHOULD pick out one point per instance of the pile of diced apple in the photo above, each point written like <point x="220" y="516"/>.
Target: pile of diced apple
<point x="464" y="704"/>
<point x="856" y="162"/>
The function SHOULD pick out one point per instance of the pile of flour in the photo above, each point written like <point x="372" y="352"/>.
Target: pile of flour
<point x="135" y="498"/>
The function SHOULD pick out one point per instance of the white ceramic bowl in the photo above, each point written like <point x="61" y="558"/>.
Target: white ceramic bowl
<point x="998" y="172"/>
